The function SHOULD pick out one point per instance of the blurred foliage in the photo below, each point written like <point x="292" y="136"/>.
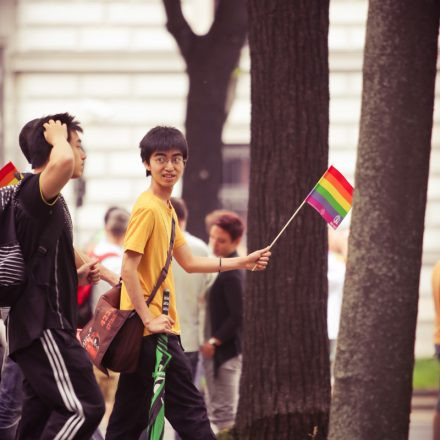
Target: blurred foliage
<point x="426" y="374"/>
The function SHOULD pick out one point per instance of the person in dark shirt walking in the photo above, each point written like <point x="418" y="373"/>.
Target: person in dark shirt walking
<point x="61" y="397"/>
<point x="222" y="350"/>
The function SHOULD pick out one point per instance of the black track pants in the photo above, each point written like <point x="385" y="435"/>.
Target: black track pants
<point x="62" y="399"/>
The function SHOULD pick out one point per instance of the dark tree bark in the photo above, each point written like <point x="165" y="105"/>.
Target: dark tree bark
<point x="374" y="362"/>
<point x="285" y="387"/>
<point x="210" y="60"/>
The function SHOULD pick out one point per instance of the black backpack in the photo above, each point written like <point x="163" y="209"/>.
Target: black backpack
<point x="13" y="268"/>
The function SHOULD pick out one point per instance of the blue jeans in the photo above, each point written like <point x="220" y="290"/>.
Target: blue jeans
<point x="11" y="398"/>
<point x="11" y="392"/>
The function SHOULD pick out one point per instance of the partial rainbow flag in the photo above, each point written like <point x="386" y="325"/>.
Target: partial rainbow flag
<point x="332" y="197"/>
<point x="9" y="175"/>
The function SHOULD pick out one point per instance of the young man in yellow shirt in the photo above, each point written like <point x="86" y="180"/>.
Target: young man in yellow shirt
<point x="164" y="152"/>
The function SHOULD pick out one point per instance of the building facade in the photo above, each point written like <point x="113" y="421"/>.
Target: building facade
<point x="114" y="65"/>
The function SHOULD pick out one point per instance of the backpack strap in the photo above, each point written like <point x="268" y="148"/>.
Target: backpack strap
<point x="52" y="229"/>
<point x="164" y="271"/>
<point x="49" y="236"/>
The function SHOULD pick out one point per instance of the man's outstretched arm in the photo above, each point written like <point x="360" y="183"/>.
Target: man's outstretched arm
<point x="193" y="263"/>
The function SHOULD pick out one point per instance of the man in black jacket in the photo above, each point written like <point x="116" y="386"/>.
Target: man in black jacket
<point x="222" y="349"/>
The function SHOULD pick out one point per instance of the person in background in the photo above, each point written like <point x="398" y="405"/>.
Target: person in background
<point x="221" y="350"/>
<point x="190" y="293"/>
<point x="109" y="251"/>
<point x="190" y="290"/>
<point x="337" y="254"/>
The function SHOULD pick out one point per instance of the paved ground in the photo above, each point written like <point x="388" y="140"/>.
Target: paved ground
<point x="423" y="405"/>
<point x="421" y="419"/>
<point x="421" y="426"/>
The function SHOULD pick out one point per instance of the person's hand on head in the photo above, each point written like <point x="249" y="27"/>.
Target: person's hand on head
<point x="54" y="130"/>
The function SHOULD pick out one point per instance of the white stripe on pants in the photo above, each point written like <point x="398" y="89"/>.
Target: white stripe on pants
<point x="65" y="388"/>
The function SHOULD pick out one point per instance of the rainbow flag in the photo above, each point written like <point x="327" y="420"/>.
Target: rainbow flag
<point x="9" y="175"/>
<point x="332" y="197"/>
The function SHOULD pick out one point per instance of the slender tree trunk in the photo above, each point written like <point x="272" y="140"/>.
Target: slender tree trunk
<point x="374" y="361"/>
<point x="211" y="60"/>
<point x="285" y="387"/>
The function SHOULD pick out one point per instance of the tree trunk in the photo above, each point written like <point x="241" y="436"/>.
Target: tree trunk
<point x="211" y="60"/>
<point x="285" y="385"/>
<point x="374" y="361"/>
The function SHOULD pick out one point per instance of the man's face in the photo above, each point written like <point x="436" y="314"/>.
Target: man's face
<point x="166" y="168"/>
<point x="221" y="242"/>
<point x="78" y="153"/>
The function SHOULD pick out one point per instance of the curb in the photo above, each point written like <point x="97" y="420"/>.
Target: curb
<point x="424" y="400"/>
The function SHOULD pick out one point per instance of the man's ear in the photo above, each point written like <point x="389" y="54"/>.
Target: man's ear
<point x="146" y="165"/>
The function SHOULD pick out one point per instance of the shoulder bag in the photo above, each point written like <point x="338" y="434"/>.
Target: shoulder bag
<point x="112" y="338"/>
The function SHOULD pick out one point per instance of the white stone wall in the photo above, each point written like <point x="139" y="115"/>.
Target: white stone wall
<point x="113" y="64"/>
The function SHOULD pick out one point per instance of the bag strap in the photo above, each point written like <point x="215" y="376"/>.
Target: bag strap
<point x="164" y="271"/>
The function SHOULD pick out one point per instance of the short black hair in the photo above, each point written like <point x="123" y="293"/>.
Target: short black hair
<point x="162" y="138"/>
<point x="23" y="138"/>
<point x="33" y="144"/>
<point x="230" y="222"/>
<point x="179" y="206"/>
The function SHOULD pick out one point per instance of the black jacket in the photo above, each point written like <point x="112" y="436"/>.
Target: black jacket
<point x="226" y="314"/>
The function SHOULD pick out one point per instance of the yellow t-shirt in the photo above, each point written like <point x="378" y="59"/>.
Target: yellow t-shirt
<point x="148" y="233"/>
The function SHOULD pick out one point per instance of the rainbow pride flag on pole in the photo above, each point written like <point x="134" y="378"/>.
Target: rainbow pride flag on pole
<point x="332" y="197"/>
<point x="9" y="175"/>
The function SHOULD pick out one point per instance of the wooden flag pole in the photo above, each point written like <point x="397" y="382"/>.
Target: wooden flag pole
<point x="284" y="228"/>
<point x="291" y="218"/>
<point x="287" y="224"/>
